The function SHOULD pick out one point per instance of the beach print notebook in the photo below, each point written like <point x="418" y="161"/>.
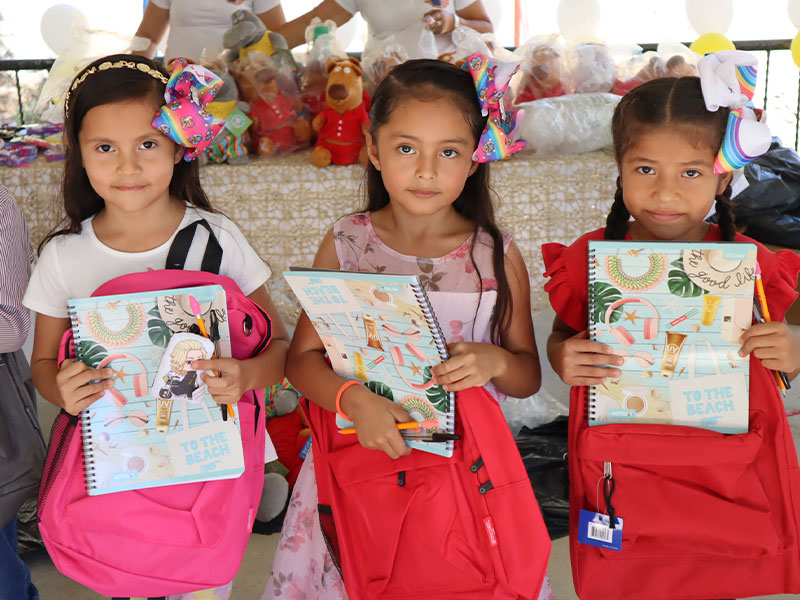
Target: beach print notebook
<point x="674" y="311"/>
<point x="158" y="425"/>
<point x="380" y="329"/>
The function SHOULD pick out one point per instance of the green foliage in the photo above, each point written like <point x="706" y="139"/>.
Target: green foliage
<point x="157" y="329"/>
<point x="679" y="283"/>
<point x="605" y="295"/>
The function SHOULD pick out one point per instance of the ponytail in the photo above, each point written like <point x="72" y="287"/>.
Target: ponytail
<point x="725" y="219"/>
<point x="618" y="217"/>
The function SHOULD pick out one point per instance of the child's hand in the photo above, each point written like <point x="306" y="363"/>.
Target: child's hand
<point x="774" y="344"/>
<point x="578" y="361"/>
<point x="375" y="419"/>
<point x="470" y="364"/>
<point x="228" y="385"/>
<point x="74" y="382"/>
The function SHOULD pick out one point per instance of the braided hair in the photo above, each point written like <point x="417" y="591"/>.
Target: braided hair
<point x="674" y="102"/>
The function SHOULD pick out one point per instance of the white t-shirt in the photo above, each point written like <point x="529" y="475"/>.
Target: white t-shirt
<point x="75" y="265"/>
<point x="387" y="16"/>
<point x="197" y="24"/>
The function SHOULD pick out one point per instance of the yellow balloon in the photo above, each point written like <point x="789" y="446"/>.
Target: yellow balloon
<point x="795" y="48"/>
<point x="711" y="42"/>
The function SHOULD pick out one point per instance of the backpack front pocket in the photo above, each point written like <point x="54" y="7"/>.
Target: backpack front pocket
<point x="680" y="491"/>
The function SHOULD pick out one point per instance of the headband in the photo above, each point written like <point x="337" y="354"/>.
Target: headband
<point x="728" y="78"/>
<point x="184" y="118"/>
<point x="499" y="139"/>
<point x="105" y="66"/>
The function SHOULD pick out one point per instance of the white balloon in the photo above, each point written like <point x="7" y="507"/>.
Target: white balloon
<point x="56" y="24"/>
<point x="709" y="16"/>
<point x="793" y="8"/>
<point x="578" y="20"/>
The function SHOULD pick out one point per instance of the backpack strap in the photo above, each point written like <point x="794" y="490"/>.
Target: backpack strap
<point x="179" y="251"/>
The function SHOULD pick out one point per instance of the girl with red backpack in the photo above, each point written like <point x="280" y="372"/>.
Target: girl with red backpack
<point x="692" y="528"/>
<point x="130" y="185"/>
<point x="429" y="212"/>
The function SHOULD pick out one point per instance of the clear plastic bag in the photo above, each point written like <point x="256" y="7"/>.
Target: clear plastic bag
<point x="570" y="124"/>
<point x="84" y="46"/>
<point x="322" y="48"/>
<point x="542" y="73"/>
<point x="281" y="122"/>
<point x="591" y="69"/>
<point x="383" y="53"/>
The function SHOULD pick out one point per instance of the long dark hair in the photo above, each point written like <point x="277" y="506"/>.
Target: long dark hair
<point x="668" y="101"/>
<point x="426" y="80"/>
<point x="106" y="86"/>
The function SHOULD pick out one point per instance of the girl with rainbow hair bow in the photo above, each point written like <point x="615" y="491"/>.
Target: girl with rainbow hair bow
<point x="130" y="184"/>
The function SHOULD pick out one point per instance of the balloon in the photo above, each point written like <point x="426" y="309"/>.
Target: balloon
<point x="578" y="20"/>
<point x="56" y="25"/>
<point x="795" y="48"/>
<point x="793" y="8"/>
<point x="709" y="16"/>
<point x="711" y="42"/>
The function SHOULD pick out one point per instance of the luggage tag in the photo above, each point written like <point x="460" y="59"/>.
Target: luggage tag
<point x="602" y="530"/>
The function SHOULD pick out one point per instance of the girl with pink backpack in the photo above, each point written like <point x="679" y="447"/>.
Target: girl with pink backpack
<point x="130" y="185"/>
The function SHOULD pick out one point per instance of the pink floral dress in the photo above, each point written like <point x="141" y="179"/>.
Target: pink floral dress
<point x="463" y="301"/>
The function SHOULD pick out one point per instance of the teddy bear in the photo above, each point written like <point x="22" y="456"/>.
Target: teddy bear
<point x="248" y="34"/>
<point x="675" y="66"/>
<point x="541" y="74"/>
<point x="341" y="125"/>
<point x="291" y="438"/>
<point x="279" y="118"/>
<point x="229" y="145"/>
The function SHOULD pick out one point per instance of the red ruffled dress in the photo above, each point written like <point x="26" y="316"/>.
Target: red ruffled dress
<point x="771" y="525"/>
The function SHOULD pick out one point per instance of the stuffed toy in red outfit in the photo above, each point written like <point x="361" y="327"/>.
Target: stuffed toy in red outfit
<point x="279" y="121"/>
<point x="341" y="125"/>
<point x="541" y="74"/>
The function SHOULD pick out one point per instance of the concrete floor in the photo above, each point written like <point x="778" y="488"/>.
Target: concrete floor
<point x="251" y="579"/>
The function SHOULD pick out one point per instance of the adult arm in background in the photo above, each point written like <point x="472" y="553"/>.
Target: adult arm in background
<point x="295" y="31"/>
<point x="15" y="270"/>
<point x="473" y="16"/>
<point x="155" y="22"/>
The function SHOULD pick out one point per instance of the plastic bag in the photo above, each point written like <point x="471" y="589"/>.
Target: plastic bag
<point x="280" y="120"/>
<point x="769" y="207"/>
<point x="542" y="72"/>
<point x="322" y="48"/>
<point x="570" y="124"/>
<point x="84" y="46"/>
<point x="383" y="53"/>
<point x="544" y="454"/>
<point x="670" y="61"/>
<point x="591" y="69"/>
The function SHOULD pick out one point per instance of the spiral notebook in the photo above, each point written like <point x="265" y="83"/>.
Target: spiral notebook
<point x="380" y="329"/>
<point x="674" y="311"/>
<point x="158" y="425"/>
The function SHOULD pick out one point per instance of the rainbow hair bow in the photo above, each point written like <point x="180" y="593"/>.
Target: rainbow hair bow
<point x="728" y="78"/>
<point x="184" y="118"/>
<point x="499" y="139"/>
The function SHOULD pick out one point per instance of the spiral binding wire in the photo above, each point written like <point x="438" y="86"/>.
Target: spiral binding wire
<point x="441" y="346"/>
<point x="86" y="431"/>
<point x="591" y="403"/>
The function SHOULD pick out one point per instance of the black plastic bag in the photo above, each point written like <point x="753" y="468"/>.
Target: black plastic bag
<point x="769" y="208"/>
<point x="544" y="454"/>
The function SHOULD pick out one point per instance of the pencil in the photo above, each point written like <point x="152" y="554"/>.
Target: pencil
<point x="781" y="379"/>
<point x="429" y="424"/>
<point x="225" y="409"/>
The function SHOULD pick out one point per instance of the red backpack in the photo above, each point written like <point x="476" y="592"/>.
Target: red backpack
<point x="426" y="526"/>
<point x="705" y="515"/>
<point x="163" y="540"/>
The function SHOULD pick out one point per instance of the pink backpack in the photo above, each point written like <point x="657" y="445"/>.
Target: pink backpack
<point x="428" y="527"/>
<point x="164" y="540"/>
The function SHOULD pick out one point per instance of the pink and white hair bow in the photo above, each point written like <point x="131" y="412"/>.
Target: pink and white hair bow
<point x="499" y="139"/>
<point x="184" y="118"/>
<point x="728" y="78"/>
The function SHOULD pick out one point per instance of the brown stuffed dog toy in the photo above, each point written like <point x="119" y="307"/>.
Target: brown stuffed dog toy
<point x="342" y="123"/>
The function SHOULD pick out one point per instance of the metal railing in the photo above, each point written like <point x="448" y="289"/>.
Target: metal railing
<point x="766" y="46"/>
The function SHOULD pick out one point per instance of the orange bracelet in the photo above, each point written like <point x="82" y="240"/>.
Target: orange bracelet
<point x="345" y="385"/>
